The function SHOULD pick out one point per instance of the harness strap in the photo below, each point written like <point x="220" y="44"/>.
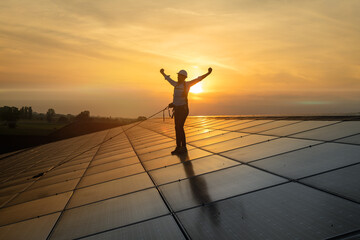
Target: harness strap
<point x="172" y="114"/>
<point x="185" y="93"/>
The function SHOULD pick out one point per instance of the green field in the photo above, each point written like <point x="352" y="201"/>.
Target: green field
<point x="31" y="127"/>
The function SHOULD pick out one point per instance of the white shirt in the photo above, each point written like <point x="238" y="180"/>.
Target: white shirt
<point x="179" y="98"/>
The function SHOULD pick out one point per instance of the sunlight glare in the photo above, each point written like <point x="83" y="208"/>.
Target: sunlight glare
<point x="197" y="88"/>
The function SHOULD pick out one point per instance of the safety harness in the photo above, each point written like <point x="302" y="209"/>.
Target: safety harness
<point x="171" y="105"/>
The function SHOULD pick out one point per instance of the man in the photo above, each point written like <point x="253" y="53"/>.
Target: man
<point x="180" y="104"/>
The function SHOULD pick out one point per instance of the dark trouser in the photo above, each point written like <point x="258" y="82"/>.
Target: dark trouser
<point x="180" y="115"/>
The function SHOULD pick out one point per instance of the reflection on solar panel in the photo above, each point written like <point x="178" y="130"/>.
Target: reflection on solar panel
<point x="241" y="179"/>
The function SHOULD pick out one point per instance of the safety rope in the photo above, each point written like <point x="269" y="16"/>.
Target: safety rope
<point x="124" y="130"/>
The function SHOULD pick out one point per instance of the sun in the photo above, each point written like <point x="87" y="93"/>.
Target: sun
<point x="197" y="88"/>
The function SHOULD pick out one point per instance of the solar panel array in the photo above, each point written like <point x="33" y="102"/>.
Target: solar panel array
<point x="241" y="179"/>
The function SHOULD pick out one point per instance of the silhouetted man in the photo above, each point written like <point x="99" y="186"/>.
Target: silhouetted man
<point x="180" y="105"/>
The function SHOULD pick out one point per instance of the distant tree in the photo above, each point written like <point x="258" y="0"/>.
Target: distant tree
<point x="85" y="115"/>
<point x="50" y="114"/>
<point x="25" y="113"/>
<point x="10" y="115"/>
<point x="41" y="116"/>
<point x="21" y="112"/>
<point x="30" y="113"/>
<point x="141" y="118"/>
<point x="70" y="117"/>
<point x="63" y="119"/>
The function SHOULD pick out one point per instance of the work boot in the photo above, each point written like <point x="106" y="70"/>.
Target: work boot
<point x="183" y="149"/>
<point x="176" y="151"/>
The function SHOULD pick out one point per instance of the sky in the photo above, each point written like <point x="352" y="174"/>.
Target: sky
<point x="268" y="56"/>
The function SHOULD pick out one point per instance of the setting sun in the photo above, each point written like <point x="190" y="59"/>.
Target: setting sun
<point x="197" y="88"/>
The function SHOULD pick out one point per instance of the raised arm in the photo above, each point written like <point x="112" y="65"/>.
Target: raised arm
<point x="198" y="79"/>
<point x="167" y="77"/>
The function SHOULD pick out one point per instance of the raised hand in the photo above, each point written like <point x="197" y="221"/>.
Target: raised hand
<point x="209" y="70"/>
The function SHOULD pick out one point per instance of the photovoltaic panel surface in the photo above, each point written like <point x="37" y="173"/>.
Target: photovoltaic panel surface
<point x="289" y="211"/>
<point x="241" y="179"/>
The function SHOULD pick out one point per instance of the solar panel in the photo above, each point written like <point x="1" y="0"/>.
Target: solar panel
<point x="217" y="185"/>
<point x="269" y="125"/>
<point x="110" y="189"/>
<point x="241" y="179"/>
<point x="189" y="169"/>
<point x="353" y="139"/>
<point x="124" y="160"/>
<point x="158" y="228"/>
<point x="288" y="211"/>
<point x="35" y="228"/>
<point x="45" y="191"/>
<point x="332" y="132"/>
<point x="170" y="160"/>
<point x="344" y="182"/>
<point x="33" y="209"/>
<point x="158" y="153"/>
<point x="309" y="161"/>
<point x="298" y="127"/>
<point x="237" y="142"/>
<point x="111" y="175"/>
<point x="108" y="214"/>
<point x="246" y="125"/>
<point x="267" y="149"/>
<point x="92" y="169"/>
<point x="216" y="139"/>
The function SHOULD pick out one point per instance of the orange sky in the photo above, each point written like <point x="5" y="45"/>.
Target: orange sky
<point x="269" y="57"/>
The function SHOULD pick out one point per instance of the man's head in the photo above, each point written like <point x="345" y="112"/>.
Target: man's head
<point x="182" y="75"/>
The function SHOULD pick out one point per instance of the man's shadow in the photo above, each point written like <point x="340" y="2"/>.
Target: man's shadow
<point x="199" y="189"/>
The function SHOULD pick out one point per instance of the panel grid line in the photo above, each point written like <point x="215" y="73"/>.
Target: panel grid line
<point x="67" y="203"/>
<point x="289" y="179"/>
<point x="181" y="227"/>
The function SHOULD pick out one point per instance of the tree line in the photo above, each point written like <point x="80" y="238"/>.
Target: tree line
<point x="10" y="115"/>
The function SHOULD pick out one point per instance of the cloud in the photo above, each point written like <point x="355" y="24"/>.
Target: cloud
<point x="255" y="48"/>
<point x="45" y="39"/>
